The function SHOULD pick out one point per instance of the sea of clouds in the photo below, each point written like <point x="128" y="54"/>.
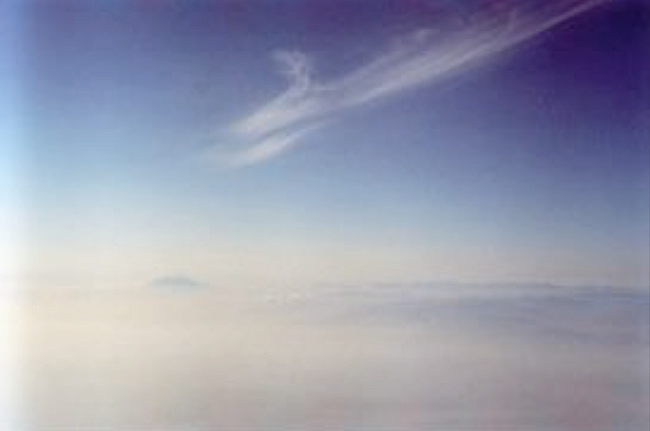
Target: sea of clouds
<point x="425" y="356"/>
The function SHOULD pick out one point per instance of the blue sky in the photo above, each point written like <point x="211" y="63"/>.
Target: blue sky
<point x="337" y="141"/>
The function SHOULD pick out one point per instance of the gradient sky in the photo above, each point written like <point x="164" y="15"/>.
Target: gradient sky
<point x="325" y="140"/>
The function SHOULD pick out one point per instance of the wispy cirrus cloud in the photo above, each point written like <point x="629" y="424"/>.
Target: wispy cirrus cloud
<point x="424" y="56"/>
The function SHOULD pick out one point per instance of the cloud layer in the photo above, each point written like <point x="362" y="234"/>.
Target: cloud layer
<point x="424" y="56"/>
<point x="372" y="357"/>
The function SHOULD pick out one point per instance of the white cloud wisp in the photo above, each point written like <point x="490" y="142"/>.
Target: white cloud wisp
<point x="422" y="57"/>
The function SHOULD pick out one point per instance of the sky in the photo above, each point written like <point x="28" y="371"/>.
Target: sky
<point x="293" y="141"/>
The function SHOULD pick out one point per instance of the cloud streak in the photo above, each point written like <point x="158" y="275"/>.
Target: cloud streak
<point x="422" y="57"/>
